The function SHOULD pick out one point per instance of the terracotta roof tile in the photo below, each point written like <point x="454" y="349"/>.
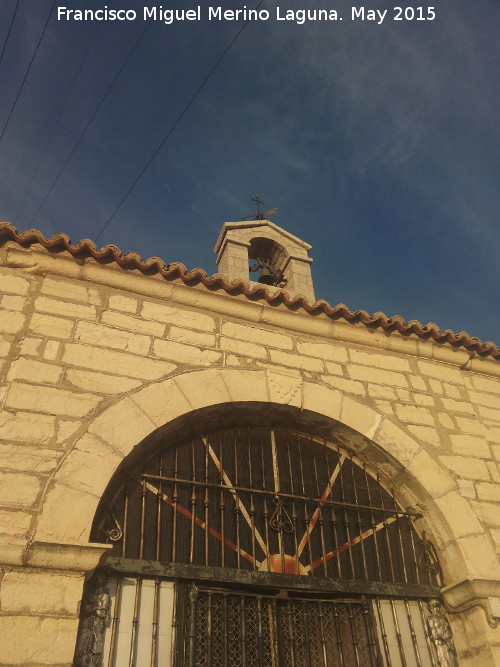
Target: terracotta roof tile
<point x="86" y="247"/>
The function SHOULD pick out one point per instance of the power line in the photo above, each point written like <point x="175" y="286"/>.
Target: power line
<point x="27" y="71"/>
<point x="82" y="134"/>
<point x="9" y="30"/>
<point x="56" y="123"/>
<point x="174" y="125"/>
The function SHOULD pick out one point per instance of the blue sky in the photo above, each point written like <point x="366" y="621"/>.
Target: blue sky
<point x="378" y="144"/>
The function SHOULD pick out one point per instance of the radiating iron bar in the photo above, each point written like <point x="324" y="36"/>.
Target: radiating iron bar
<point x="222" y="510"/>
<point x="290" y="633"/>
<point x="307" y="639"/>
<point x="386" y="533"/>
<point x="383" y="632"/>
<point x="135" y="621"/>
<point x="154" y="632"/>
<point x="175" y="500"/>
<point x="252" y="505"/>
<point x="306" y="517"/>
<point x="352" y="627"/>
<point x="360" y="527"/>
<point x="400" y="537"/>
<point x="282" y="494"/>
<point x="193" y="502"/>
<point x="320" y="520"/>
<point x="346" y="520"/>
<point x="143" y="518"/>
<point x="260" y="632"/>
<point x="338" y="634"/>
<point x="398" y="633"/>
<point x="266" y="509"/>
<point x="294" y="513"/>
<point x="321" y="616"/>
<point x="193" y="597"/>
<point x="114" y="624"/>
<point x="333" y="521"/>
<point x="374" y="525"/>
<point x="416" y="569"/>
<point x="206" y="504"/>
<point x="237" y="501"/>
<point x="158" y="512"/>
<point x="413" y="633"/>
<point x="430" y="646"/>
<point x="125" y="522"/>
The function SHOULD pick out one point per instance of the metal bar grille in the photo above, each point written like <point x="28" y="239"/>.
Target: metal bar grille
<point x="254" y="630"/>
<point x="264" y="499"/>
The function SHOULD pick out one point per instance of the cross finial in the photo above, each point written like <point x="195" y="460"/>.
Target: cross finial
<point x="258" y="201"/>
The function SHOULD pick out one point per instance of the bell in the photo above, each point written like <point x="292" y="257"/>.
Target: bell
<point x="266" y="276"/>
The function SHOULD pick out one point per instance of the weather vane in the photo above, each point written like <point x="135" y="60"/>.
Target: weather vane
<point x="259" y="216"/>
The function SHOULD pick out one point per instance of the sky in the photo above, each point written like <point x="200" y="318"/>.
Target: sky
<point x="376" y="141"/>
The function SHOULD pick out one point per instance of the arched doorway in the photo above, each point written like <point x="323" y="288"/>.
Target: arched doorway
<point x="257" y="545"/>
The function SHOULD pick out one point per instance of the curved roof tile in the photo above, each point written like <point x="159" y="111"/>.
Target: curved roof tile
<point x="87" y="247"/>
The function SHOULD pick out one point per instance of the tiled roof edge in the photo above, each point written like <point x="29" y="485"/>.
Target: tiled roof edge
<point x="87" y="247"/>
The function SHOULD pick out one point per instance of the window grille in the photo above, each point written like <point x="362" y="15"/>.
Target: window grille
<point x="257" y="546"/>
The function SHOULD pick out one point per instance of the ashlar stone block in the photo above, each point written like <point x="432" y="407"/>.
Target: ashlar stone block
<point x="41" y="592"/>
<point x="325" y="401"/>
<point x="98" y="334"/>
<point x="413" y="414"/>
<point x="65" y="308"/>
<point x="470" y="445"/>
<point x="179" y="316"/>
<point x="100" y="382"/>
<point x="11" y="322"/>
<point x="13" y="284"/>
<point x="50" y="400"/>
<point x="137" y="324"/>
<point x="123" y="303"/>
<point x="19" y="489"/>
<point x="118" y="363"/>
<point x="185" y="354"/>
<point x="322" y="350"/>
<point x="386" y="361"/>
<point x="467" y="467"/>
<point x="256" y="335"/>
<point x="432" y="475"/>
<point x="377" y="376"/>
<point x="34" y="640"/>
<point x="203" y="388"/>
<point x="67" y="514"/>
<point x="73" y="291"/>
<point x="123" y="425"/>
<point x="35" y="371"/>
<point x="26" y="427"/>
<point x="25" y="458"/>
<point x="49" y="325"/>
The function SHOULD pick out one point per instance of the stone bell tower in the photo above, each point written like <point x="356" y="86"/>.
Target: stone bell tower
<point x="245" y="248"/>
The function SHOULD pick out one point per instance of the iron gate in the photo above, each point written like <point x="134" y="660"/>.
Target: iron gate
<point x="312" y="560"/>
<point x="225" y="629"/>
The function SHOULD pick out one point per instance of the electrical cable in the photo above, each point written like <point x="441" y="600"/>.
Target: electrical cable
<point x="8" y="31"/>
<point x="56" y="123"/>
<point x="27" y="71"/>
<point x="174" y="125"/>
<point x="82" y="134"/>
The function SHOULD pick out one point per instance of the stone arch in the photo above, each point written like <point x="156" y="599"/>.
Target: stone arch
<point x="71" y="500"/>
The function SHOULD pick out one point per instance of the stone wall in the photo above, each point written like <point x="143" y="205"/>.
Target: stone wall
<point x="94" y="358"/>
